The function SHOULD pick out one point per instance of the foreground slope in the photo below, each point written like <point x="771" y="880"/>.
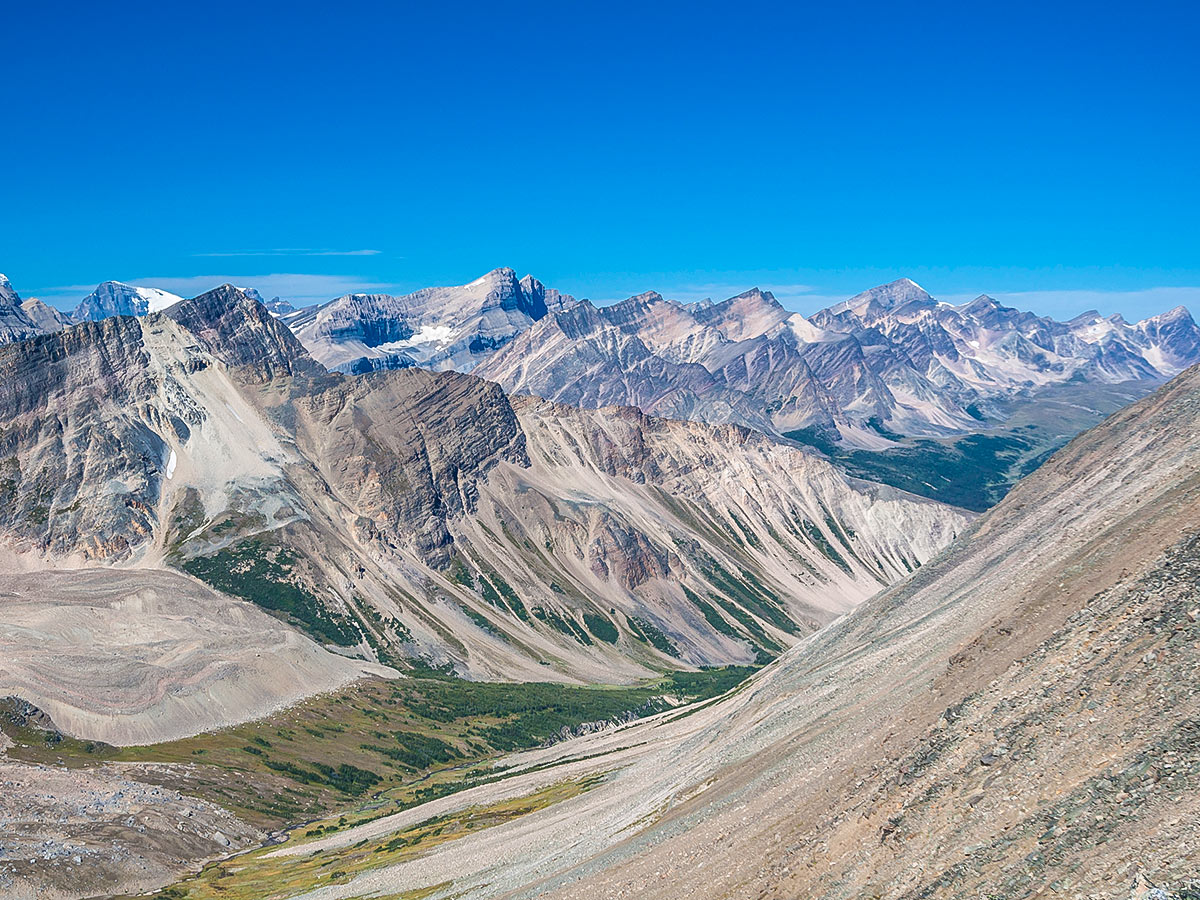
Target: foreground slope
<point x="1019" y="718"/>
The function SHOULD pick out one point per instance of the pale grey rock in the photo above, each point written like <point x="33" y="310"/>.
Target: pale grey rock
<point x="45" y="317"/>
<point x="15" y="322"/>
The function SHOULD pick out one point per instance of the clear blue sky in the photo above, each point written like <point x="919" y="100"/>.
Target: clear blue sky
<point x="1043" y="151"/>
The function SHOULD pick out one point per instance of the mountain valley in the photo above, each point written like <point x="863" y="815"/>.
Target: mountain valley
<point x="552" y="599"/>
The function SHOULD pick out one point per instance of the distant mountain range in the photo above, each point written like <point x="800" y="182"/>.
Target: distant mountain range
<point x="889" y="362"/>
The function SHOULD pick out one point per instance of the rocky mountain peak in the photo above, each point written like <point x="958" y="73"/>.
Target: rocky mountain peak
<point x="745" y="316"/>
<point x="983" y="301"/>
<point x="500" y="288"/>
<point x="502" y="281"/>
<point x="44" y="316"/>
<point x="887" y="297"/>
<point x="1178" y="314"/>
<point x="755" y="295"/>
<point x="646" y="298"/>
<point x="241" y="332"/>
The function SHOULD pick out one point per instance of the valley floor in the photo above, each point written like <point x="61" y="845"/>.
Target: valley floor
<point x="89" y="819"/>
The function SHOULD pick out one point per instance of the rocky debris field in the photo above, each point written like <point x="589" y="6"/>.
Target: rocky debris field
<point x="71" y="833"/>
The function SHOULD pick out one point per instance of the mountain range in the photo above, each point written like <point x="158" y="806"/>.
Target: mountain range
<point x="413" y="515"/>
<point x="889" y="362"/>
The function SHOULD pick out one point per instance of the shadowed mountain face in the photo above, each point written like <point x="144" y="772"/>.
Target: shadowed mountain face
<point x="408" y="514"/>
<point x="1018" y="719"/>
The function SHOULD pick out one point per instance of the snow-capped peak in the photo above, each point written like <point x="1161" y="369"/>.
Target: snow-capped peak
<point x="7" y="294"/>
<point x="115" y="298"/>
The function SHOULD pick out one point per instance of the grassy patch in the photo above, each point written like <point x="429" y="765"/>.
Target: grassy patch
<point x="258" y="875"/>
<point x="601" y="627"/>
<point x="262" y="574"/>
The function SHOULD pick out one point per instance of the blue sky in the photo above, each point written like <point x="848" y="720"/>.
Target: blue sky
<point x="1044" y="153"/>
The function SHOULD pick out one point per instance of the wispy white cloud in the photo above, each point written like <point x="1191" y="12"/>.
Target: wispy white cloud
<point x="299" y="289"/>
<point x="293" y="251"/>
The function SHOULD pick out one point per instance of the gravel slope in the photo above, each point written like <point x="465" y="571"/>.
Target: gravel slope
<point x="137" y="656"/>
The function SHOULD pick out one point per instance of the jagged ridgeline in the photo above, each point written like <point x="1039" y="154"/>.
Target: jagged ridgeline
<point x="422" y="517"/>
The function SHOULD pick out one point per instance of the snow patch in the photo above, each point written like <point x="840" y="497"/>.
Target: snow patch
<point x="171" y="465"/>
<point x="157" y="300"/>
<point x="429" y="334"/>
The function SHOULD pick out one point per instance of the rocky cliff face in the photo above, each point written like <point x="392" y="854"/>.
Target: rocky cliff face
<point x="82" y="461"/>
<point x="407" y="451"/>
<point x="238" y="329"/>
